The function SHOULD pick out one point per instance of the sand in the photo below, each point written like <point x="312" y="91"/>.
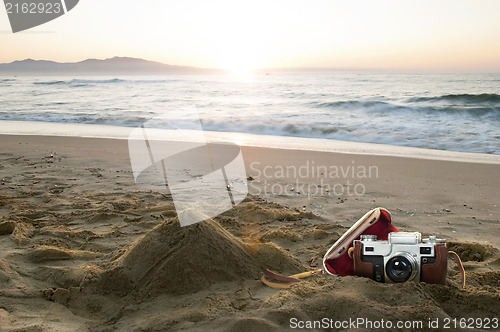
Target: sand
<point x="83" y="248"/>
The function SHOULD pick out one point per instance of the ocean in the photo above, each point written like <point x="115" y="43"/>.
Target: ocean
<point x="443" y="112"/>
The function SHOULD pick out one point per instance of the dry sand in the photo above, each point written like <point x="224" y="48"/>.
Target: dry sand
<point x="83" y="248"/>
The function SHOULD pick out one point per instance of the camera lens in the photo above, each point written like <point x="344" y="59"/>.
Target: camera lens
<point x="401" y="268"/>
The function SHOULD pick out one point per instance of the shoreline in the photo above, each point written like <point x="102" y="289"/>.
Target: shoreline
<point x="36" y="128"/>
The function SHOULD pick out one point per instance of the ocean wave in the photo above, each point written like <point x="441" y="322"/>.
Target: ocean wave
<point x="119" y="80"/>
<point x="492" y="112"/>
<point x="375" y="132"/>
<point x="77" y="82"/>
<point x="312" y="130"/>
<point x="50" y="83"/>
<point x="351" y="104"/>
<point x="483" y="98"/>
<point x="385" y="108"/>
<point x="81" y="81"/>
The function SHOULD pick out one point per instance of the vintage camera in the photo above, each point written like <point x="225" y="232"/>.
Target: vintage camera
<point x="404" y="256"/>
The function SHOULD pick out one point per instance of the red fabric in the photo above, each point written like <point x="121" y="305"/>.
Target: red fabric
<point x="344" y="265"/>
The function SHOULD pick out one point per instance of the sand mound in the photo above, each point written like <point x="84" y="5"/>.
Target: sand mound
<point x="263" y="212"/>
<point x="347" y="297"/>
<point x="486" y="278"/>
<point x="252" y="324"/>
<point x="7" y="227"/>
<point x="178" y="260"/>
<point x="273" y="257"/>
<point x="472" y="251"/>
<point x="49" y="253"/>
<point x="283" y="233"/>
<point x="22" y="233"/>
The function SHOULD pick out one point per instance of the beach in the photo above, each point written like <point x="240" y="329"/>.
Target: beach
<point x="84" y="248"/>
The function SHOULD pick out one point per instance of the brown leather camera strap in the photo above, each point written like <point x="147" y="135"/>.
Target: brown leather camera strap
<point x="284" y="281"/>
<point x="458" y="261"/>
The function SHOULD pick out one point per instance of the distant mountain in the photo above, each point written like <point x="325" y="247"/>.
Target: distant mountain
<point x="116" y="65"/>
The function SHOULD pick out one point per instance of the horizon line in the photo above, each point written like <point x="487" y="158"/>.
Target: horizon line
<point x="318" y="69"/>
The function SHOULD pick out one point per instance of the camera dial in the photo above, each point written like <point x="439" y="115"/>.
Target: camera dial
<point x="433" y="239"/>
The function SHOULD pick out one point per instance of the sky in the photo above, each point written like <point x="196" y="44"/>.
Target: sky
<point x="444" y="35"/>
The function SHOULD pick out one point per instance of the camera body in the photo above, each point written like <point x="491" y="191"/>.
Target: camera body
<point x="404" y="256"/>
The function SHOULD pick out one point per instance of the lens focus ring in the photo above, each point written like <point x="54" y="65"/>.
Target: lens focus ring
<point x="401" y="267"/>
